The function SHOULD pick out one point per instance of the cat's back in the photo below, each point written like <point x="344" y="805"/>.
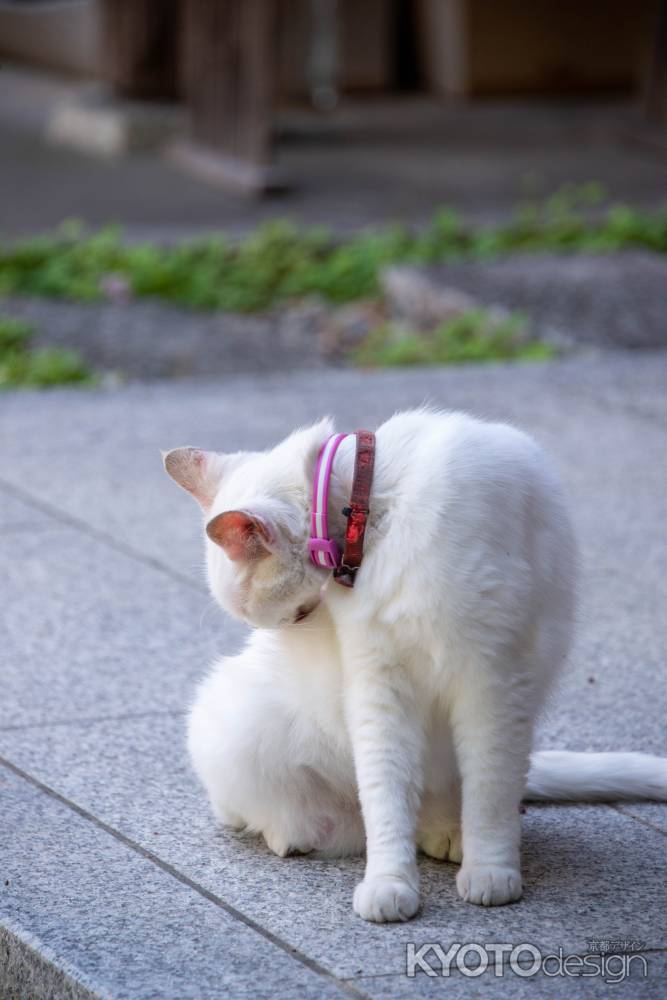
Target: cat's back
<point x="474" y="532"/>
<point x="432" y="454"/>
<point x="449" y="481"/>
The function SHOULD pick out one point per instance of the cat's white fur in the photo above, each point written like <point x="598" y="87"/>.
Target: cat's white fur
<point x="400" y="712"/>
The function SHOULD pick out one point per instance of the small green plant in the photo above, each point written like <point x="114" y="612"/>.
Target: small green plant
<point x="474" y="336"/>
<point x="14" y="335"/>
<point x="279" y="261"/>
<point x="21" y="365"/>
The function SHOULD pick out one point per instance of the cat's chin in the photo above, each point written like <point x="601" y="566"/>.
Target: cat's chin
<point x="281" y="619"/>
<point x="304" y="611"/>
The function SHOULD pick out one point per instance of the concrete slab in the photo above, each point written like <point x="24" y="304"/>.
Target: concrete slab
<point x="117" y="924"/>
<point x="16" y="515"/>
<point x="589" y="870"/>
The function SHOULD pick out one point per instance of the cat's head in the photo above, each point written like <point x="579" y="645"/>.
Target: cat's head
<point x="257" y="521"/>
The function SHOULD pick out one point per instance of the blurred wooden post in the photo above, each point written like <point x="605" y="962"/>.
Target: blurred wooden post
<point x="140" y="45"/>
<point x="655" y="98"/>
<point x="229" y="76"/>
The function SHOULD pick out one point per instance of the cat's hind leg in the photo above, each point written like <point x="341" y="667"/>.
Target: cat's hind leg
<point x="439" y="830"/>
<point x="439" y="826"/>
<point x="265" y="766"/>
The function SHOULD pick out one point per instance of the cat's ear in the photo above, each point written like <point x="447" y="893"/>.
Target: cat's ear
<point x="243" y="536"/>
<point x="198" y="472"/>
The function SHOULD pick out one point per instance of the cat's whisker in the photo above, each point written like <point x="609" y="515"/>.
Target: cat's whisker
<point x="316" y="628"/>
<point x="207" y="607"/>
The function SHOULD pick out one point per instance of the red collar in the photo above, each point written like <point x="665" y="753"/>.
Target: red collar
<point x="323" y="551"/>
<point x="358" y="510"/>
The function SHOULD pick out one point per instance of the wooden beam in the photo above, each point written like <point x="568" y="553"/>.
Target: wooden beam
<point x="229" y="76"/>
<point x="140" y="46"/>
<point x="655" y="96"/>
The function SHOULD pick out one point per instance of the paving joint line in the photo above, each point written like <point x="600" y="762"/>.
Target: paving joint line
<point x="166" y="713"/>
<point x="311" y="964"/>
<point x="638" y="819"/>
<point x="72" y="521"/>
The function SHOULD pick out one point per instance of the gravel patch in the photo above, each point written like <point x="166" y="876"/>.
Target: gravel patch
<point x="150" y="340"/>
<point x="612" y="300"/>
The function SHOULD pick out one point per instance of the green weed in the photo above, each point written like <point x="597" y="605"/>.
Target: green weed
<point x="280" y="261"/>
<point x="474" y="336"/>
<point x="21" y="365"/>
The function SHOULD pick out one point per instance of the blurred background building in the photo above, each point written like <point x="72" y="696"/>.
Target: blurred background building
<point x="461" y="161"/>
<point x="219" y="75"/>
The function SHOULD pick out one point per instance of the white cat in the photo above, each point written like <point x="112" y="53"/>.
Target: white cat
<point x="400" y="712"/>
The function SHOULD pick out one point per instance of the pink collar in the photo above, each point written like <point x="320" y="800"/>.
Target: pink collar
<point x="324" y="552"/>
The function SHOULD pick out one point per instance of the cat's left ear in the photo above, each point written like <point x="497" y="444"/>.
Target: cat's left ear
<point x="243" y="535"/>
<point x="199" y="472"/>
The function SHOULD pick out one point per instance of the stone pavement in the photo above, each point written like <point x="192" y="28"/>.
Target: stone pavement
<point x="114" y="879"/>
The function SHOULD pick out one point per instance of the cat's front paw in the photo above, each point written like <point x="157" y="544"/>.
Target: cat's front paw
<point x="489" y="885"/>
<point x="384" y="898"/>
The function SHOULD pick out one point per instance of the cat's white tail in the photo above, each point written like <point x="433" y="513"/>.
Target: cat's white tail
<point x="600" y="777"/>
